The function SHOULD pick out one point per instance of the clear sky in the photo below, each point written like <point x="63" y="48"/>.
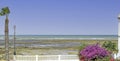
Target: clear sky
<point x="62" y="17"/>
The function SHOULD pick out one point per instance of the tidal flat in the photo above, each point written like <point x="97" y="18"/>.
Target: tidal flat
<point x="48" y="47"/>
<point x="51" y="47"/>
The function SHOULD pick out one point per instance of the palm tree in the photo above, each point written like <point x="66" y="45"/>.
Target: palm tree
<point x="5" y="12"/>
<point x="14" y="39"/>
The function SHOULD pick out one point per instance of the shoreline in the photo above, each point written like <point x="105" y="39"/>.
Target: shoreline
<point x="52" y="45"/>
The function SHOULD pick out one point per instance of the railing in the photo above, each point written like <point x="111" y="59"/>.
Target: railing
<point x="46" y="58"/>
<point x="116" y="56"/>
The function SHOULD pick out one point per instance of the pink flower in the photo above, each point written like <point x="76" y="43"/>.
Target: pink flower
<point x="93" y="51"/>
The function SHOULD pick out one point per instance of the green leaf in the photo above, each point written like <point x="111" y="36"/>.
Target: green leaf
<point x="4" y="11"/>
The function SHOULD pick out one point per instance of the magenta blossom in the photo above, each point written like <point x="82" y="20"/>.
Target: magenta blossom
<point x="93" y="52"/>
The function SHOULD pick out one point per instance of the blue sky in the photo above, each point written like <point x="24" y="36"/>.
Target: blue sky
<point x="62" y="17"/>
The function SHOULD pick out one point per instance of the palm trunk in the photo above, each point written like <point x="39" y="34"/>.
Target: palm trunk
<point x="14" y="39"/>
<point x="7" y="38"/>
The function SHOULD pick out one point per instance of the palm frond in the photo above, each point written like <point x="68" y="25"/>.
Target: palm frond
<point x="4" y="11"/>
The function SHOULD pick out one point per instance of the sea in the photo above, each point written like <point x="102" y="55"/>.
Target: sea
<point x="52" y="37"/>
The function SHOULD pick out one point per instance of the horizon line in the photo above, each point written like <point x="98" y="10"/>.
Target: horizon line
<point x="59" y="34"/>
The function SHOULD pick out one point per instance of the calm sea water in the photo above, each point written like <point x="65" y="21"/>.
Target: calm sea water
<point x="51" y="37"/>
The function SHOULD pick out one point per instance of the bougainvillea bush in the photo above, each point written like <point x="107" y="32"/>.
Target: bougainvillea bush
<point x="93" y="52"/>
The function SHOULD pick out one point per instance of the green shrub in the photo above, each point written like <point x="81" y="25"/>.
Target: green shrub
<point x="110" y="46"/>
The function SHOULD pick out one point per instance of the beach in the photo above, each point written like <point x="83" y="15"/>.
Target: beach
<point x="52" y="47"/>
<point x="49" y="46"/>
